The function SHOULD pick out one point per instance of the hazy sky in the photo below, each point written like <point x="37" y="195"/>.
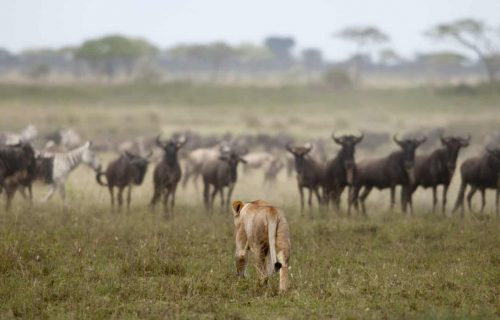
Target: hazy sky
<point x="40" y="23"/>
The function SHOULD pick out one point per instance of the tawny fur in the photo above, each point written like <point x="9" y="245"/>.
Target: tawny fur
<point x="262" y="228"/>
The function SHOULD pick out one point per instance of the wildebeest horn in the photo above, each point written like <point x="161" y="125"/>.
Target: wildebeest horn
<point x="466" y="141"/>
<point x="181" y="141"/>
<point x="308" y="146"/>
<point x="288" y="147"/>
<point x="337" y="140"/>
<point x="444" y="140"/>
<point x="158" y="142"/>
<point x="395" y="138"/>
<point x="360" y="138"/>
<point x="424" y="139"/>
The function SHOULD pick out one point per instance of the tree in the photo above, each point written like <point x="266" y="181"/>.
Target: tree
<point x="363" y="38"/>
<point x="215" y="54"/>
<point x="312" y="58"/>
<point x="389" y="57"/>
<point x="280" y="47"/>
<point x="473" y="35"/>
<point x="108" y="53"/>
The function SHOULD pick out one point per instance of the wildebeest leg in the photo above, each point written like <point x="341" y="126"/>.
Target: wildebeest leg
<point x="483" y="200"/>
<point x="222" y="204"/>
<point x="9" y="194"/>
<point x="309" y="201"/>
<point x="49" y="195"/>
<point x="318" y="197"/>
<point x="350" y="196"/>
<point x="362" y="198"/>
<point x="206" y="193"/>
<point x="355" y="196"/>
<point x="471" y="193"/>
<point x="129" y="196"/>
<point x="120" y="198"/>
<point x="497" y="200"/>
<point x="445" y="200"/>
<point x="172" y="199"/>
<point x="212" y="198"/>
<point x="166" y="195"/>
<point x="337" y="199"/>
<point x="156" y="196"/>
<point x="434" y="198"/>
<point x="406" y="196"/>
<point x="112" y="196"/>
<point x="229" y="195"/>
<point x="393" y="196"/>
<point x="301" y="192"/>
<point x="460" y="198"/>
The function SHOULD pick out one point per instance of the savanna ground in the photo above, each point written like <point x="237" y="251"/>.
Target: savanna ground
<point x="87" y="262"/>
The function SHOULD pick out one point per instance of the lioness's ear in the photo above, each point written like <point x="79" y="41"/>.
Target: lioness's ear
<point x="237" y="205"/>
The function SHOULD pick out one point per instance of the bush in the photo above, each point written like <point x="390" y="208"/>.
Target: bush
<point x="337" y="79"/>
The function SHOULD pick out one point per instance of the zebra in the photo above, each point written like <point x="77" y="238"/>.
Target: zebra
<point x="65" y="162"/>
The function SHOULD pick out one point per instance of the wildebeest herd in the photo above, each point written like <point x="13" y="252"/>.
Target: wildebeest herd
<point x="217" y="165"/>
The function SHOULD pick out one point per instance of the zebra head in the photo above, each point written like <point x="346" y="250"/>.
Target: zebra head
<point x="90" y="158"/>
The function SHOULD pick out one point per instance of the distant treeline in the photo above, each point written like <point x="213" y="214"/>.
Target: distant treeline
<point x="123" y="57"/>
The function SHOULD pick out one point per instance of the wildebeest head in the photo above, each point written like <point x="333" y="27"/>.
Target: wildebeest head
<point x="232" y="158"/>
<point x="90" y="158"/>
<point x="453" y="146"/>
<point x="171" y="147"/>
<point x="494" y="158"/>
<point x="140" y="163"/>
<point x="299" y="153"/>
<point x="348" y="143"/>
<point x="409" y="147"/>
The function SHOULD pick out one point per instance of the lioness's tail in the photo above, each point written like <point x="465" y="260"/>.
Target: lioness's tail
<point x="272" y="226"/>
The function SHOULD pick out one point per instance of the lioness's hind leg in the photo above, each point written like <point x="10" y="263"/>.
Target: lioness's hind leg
<point x="241" y="262"/>
<point x="260" y="261"/>
<point x="283" y="257"/>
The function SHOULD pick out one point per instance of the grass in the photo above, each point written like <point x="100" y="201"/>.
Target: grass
<point x="90" y="263"/>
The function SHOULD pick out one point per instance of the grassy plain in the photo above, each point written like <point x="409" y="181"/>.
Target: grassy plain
<point x="87" y="262"/>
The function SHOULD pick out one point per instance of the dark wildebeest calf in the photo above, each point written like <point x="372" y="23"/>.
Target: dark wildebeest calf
<point x="167" y="173"/>
<point x="395" y="169"/>
<point x="309" y="173"/>
<point x="480" y="173"/>
<point x="17" y="164"/>
<point x="221" y="173"/>
<point x="437" y="169"/>
<point x="127" y="170"/>
<point x="341" y="170"/>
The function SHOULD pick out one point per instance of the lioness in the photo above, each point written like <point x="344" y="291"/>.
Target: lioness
<point x="263" y="229"/>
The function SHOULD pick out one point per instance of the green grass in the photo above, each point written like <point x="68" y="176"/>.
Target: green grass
<point x="90" y="263"/>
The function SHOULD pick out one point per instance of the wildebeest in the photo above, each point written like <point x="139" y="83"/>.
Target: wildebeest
<point x="271" y="173"/>
<point x="340" y="171"/>
<point x="437" y="169"/>
<point x="167" y="173"/>
<point x="256" y="160"/>
<point x="127" y="170"/>
<point x="309" y="173"/>
<point x="398" y="168"/>
<point x="221" y="173"/>
<point x="480" y="173"/>
<point x="196" y="158"/>
<point x="17" y="164"/>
